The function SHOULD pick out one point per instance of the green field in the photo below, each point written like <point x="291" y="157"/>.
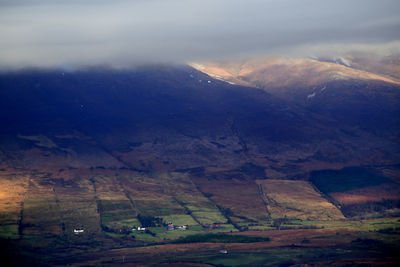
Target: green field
<point x="180" y="219"/>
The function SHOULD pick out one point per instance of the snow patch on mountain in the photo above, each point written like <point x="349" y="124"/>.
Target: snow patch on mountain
<point x="311" y="95"/>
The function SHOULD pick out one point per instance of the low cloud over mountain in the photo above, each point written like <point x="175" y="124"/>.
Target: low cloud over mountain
<point x="122" y="33"/>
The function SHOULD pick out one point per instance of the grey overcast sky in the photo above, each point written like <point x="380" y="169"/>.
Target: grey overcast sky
<point x="48" y="33"/>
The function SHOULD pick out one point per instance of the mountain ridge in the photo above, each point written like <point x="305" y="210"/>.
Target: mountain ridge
<point x="284" y="72"/>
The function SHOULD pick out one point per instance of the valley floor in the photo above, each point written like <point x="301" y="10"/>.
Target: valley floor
<point x="335" y="245"/>
<point x="112" y="217"/>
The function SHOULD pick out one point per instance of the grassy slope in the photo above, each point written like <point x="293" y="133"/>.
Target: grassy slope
<point x="297" y="199"/>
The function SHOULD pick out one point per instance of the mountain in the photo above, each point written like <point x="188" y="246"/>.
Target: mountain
<point x="90" y="157"/>
<point x="153" y="114"/>
<point x="331" y="89"/>
<point x="161" y="110"/>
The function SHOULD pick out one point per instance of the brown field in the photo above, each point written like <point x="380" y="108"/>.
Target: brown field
<point x="78" y="207"/>
<point x="297" y="234"/>
<point x="241" y="197"/>
<point x="297" y="199"/>
<point x="41" y="214"/>
<point x="370" y="194"/>
<point x="13" y="188"/>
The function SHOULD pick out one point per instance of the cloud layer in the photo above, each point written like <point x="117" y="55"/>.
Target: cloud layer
<point x="122" y="33"/>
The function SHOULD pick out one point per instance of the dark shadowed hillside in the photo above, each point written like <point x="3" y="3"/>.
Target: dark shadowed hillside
<point x="182" y="118"/>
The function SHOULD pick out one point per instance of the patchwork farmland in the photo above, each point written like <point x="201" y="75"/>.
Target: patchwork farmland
<point x="80" y="210"/>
